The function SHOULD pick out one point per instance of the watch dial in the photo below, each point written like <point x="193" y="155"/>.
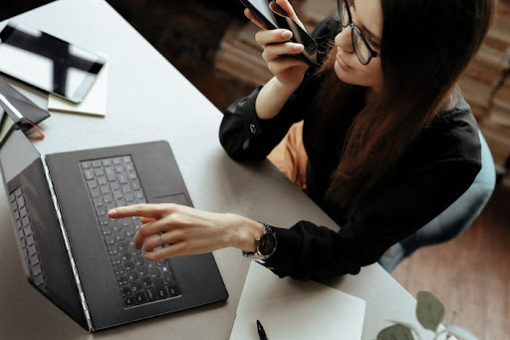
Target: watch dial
<point x="267" y="244"/>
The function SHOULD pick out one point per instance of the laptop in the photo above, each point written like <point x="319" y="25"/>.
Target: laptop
<point x="83" y="261"/>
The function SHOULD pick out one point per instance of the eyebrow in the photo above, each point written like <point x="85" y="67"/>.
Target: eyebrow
<point x="371" y="36"/>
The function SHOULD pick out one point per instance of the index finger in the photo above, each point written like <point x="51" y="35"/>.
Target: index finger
<point x="140" y="210"/>
<point x="287" y="7"/>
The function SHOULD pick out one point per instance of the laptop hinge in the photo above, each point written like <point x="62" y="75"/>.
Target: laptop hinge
<point x="68" y="247"/>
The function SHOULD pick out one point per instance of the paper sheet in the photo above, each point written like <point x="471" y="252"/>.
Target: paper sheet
<point x="93" y="104"/>
<point x="290" y="309"/>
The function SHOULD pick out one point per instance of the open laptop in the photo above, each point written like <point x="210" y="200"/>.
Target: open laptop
<point x="84" y="262"/>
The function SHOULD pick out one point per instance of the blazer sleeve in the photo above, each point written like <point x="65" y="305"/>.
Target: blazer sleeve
<point x="397" y="209"/>
<point x="245" y="136"/>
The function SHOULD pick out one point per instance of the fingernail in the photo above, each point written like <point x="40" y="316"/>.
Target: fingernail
<point x="112" y="213"/>
<point x="287" y="34"/>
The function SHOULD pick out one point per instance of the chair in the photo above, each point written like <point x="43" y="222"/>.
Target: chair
<point x="452" y="221"/>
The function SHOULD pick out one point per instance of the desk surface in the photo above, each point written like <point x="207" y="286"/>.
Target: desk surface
<point x="148" y="99"/>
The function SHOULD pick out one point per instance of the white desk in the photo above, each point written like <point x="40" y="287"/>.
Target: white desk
<point x="148" y="99"/>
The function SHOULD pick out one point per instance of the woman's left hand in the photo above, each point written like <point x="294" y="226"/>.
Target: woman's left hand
<point x="186" y="231"/>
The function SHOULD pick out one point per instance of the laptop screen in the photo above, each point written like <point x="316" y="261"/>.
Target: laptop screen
<point x="16" y="151"/>
<point x="40" y="240"/>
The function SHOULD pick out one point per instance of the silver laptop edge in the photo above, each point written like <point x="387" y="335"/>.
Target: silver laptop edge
<point x="68" y="246"/>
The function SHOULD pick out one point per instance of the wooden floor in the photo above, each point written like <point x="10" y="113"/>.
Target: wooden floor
<point x="470" y="274"/>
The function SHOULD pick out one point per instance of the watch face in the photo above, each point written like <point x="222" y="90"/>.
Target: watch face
<point x="267" y="244"/>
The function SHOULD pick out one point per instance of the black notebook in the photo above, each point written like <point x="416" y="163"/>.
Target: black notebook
<point x="30" y="112"/>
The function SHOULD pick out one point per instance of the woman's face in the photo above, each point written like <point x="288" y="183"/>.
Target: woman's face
<point x="367" y="15"/>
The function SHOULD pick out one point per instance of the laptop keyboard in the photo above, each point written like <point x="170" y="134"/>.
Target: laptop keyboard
<point x="114" y="182"/>
<point x="26" y="237"/>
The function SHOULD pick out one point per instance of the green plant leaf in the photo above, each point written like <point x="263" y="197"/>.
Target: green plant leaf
<point x="395" y="332"/>
<point x="458" y="332"/>
<point x="429" y="311"/>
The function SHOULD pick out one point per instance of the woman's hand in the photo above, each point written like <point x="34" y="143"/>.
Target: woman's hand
<point x="186" y="231"/>
<point x="278" y="50"/>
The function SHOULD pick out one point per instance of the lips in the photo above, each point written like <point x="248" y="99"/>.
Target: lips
<point x="341" y="62"/>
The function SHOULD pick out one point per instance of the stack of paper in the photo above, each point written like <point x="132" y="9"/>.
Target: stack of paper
<point x="290" y="309"/>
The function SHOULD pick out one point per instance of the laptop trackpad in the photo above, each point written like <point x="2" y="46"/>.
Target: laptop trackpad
<point x="176" y="198"/>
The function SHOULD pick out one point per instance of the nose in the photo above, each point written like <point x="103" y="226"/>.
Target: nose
<point x="344" y="40"/>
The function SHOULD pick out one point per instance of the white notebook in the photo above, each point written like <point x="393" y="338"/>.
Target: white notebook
<point x="291" y="309"/>
<point x="94" y="102"/>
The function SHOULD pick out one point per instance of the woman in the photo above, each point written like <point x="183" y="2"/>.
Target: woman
<point x="387" y="141"/>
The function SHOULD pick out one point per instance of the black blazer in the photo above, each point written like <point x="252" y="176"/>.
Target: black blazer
<point x="439" y="166"/>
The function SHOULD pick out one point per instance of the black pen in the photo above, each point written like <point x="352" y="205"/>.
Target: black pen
<point x="260" y="329"/>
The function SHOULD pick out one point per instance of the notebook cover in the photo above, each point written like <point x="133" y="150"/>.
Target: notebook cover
<point x="25" y="106"/>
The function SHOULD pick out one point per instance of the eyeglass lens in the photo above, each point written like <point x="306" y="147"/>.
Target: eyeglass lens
<point x="360" y="45"/>
<point x="342" y="13"/>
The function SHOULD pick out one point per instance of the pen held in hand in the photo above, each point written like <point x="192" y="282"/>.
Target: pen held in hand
<point x="261" y="331"/>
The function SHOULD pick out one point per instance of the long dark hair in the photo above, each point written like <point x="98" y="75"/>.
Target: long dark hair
<point x="425" y="46"/>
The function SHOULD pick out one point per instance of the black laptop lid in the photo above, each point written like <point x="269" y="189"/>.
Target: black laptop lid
<point x="24" y="180"/>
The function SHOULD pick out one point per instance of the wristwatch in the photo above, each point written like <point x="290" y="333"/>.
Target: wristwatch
<point x="265" y="246"/>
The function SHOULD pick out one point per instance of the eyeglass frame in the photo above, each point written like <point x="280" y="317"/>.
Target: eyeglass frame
<point x="354" y="30"/>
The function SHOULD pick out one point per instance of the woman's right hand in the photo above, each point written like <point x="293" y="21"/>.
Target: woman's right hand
<point x="278" y="50"/>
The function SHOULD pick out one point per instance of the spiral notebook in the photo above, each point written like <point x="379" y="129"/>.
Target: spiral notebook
<point x="291" y="309"/>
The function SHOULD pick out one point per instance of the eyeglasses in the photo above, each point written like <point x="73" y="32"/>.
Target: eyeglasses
<point x="363" y="51"/>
